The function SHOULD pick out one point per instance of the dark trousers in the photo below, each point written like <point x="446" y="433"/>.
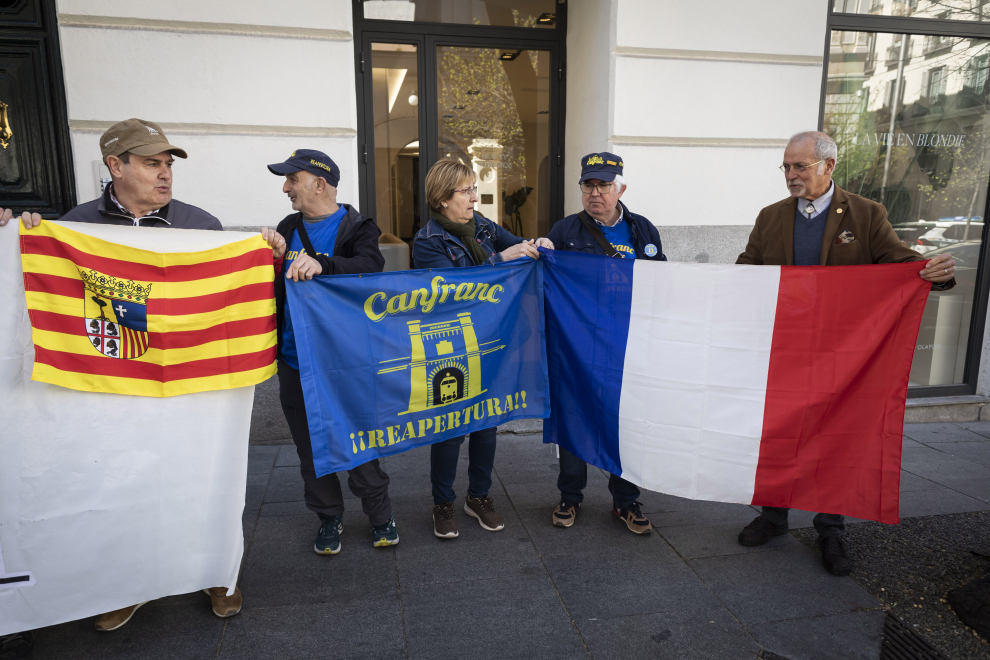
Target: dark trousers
<point x="323" y="496"/>
<point x="481" y="460"/>
<point x="827" y="524"/>
<point x="573" y="478"/>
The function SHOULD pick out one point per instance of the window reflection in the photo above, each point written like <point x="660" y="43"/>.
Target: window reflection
<point x="953" y="10"/>
<point x="507" y="13"/>
<point x="909" y="115"/>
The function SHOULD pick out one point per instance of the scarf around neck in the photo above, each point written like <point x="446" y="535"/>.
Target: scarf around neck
<point x="466" y="233"/>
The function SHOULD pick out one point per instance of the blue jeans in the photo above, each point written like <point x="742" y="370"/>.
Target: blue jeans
<point x="481" y="460"/>
<point x="827" y="524"/>
<point x="574" y="477"/>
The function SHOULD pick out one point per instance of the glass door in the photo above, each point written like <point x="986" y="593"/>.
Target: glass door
<point x="395" y="104"/>
<point x="493" y="108"/>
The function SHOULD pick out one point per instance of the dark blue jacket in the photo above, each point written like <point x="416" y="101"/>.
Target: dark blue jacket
<point x="433" y="247"/>
<point x="570" y="234"/>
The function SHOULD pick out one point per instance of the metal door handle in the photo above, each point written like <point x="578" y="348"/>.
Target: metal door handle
<point x="5" y="132"/>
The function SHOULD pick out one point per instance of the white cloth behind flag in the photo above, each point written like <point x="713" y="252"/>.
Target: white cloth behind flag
<point x="109" y="500"/>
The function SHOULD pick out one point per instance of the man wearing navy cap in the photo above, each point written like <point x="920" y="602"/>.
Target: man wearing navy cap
<point x="324" y="238"/>
<point x="605" y="227"/>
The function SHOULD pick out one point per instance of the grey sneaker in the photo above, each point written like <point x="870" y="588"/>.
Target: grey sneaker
<point x="328" y="538"/>
<point x="444" y="521"/>
<point x="483" y="509"/>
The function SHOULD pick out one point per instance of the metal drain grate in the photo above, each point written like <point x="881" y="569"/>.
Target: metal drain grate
<point x="902" y="643"/>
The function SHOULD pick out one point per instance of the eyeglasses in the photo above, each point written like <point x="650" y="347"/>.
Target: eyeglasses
<point x="602" y="188"/>
<point x="471" y="190"/>
<point x="798" y="168"/>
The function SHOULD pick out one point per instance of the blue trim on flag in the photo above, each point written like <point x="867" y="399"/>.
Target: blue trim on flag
<point x="587" y="299"/>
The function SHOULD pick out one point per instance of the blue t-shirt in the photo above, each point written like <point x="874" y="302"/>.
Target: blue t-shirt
<point x="322" y="235"/>
<point x="620" y="236"/>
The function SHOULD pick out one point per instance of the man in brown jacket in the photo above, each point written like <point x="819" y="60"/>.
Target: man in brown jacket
<point x="821" y="224"/>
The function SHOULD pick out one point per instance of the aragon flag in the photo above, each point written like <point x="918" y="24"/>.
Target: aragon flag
<point x="111" y="318"/>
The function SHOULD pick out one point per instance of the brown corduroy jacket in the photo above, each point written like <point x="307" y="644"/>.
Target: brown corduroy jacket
<point x="771" y="242"/>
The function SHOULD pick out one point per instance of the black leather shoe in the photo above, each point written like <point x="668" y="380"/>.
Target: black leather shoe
<point x="834" y="557"/>
<point x="760" y="531"/>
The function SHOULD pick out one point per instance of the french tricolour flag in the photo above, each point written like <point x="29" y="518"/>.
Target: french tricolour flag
<point x="766" y="385"/>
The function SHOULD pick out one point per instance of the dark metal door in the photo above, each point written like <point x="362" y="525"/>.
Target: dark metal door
<point x="35" y="155"/>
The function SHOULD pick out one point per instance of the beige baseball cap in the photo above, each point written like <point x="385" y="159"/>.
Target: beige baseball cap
<point x="140" y="137"/>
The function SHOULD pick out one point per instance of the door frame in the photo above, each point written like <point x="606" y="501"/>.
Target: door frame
<point x="427" y="37"/>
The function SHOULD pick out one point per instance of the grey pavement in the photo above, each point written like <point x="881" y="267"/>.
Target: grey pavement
<point x="688" y="590"/>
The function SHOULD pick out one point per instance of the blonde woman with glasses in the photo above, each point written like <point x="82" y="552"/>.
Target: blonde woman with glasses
<point x="457" y="237"/>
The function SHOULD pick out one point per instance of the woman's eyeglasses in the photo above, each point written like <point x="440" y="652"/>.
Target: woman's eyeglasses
<point x="472" y="190"/>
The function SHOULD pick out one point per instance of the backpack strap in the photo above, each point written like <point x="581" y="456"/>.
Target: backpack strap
<point x="597" y="234"/>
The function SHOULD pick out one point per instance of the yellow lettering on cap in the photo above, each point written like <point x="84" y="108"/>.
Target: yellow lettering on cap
<point x="321" y="165"/>
<point x="610" y="162"/>
<point x="620" y="163"/>
<point x="595" y="160"/>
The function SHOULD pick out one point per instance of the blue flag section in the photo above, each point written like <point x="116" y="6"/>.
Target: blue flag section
<point x="588" y="300"/>
<point x="392" y="361"/>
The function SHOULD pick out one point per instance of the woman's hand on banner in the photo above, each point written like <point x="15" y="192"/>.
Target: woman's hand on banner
<point x="940" y="269"/>
<point x="275" y="241"/>
<point x="520" y="250"/>
<point x="31" y="220"/>
<point x="303" y="267"/>
<point x="544" y="243"/>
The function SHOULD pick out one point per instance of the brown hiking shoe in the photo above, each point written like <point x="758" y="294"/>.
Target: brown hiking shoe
<point x="483" y="508"/>
<point x="224" y="605"/>
<point x="117" y="618"/>
<point x="565" y="514"/>
<point x="444" y="521"/>
<point x="634" y="518"/>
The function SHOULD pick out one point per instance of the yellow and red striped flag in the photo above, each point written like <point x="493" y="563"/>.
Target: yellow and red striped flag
<point x="107" y="317"/>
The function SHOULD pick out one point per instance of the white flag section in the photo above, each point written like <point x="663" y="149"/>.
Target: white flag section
<point x="109" y="500"/>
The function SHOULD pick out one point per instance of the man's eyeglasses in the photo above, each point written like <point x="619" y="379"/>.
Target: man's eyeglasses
<point x="602" y="188"/>
<point x="798" y="168"/>
<point x="470" y="190"/>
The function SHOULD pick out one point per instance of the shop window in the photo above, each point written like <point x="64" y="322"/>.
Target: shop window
<point x="506" y="13"/>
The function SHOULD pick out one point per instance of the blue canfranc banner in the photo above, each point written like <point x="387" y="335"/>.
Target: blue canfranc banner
<point x="392" y="361"/>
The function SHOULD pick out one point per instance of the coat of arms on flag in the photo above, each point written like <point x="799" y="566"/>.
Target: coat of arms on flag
<point x="171" y="322"/>
<point x="116" y="314"/>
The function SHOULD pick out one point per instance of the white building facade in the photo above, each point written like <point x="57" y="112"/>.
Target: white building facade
<point x="698" y="98"/>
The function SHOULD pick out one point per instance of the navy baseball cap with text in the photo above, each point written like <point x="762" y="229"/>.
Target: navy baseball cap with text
<point x="311" y="160"/>
<point x="602" y="166"/>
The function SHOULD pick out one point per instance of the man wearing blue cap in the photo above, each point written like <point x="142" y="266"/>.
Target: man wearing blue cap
<point x="324" y="238"/>
<point x="605" y="227"/>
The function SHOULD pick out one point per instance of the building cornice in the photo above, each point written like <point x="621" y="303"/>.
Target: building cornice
<point x="663" y="141"/>
<point x="197" y="27"/>
<point x="99" y="126"/>
<point x="718" y="56"/>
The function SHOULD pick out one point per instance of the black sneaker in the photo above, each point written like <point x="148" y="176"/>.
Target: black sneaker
<point x="565" y="514"/>
<point x="16" y="646"/>
<point x="634" y="518"/>
<point x="834" y="557"/>
<point x="328" y="538"/>
<point x="385" y="535"/>
<point x="760" y="531"/>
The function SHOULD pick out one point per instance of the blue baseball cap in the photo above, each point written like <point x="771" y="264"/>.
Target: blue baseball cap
<point x="310" y="160"/>
<point x="602" y="166"/>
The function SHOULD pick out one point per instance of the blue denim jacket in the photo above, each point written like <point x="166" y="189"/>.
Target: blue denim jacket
<point x="434" y="247"/>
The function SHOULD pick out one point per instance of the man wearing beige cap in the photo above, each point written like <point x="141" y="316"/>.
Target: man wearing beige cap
<point x="139" y="158"/>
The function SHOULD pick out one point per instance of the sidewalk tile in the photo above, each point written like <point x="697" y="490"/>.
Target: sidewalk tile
<point x="287" y="456"/>
<point x="510" y="617"/>
<point x="261" y="459"/>
<point x="286" y="485"/>
<point x="912" y="482"/>
<point x="938" y="502"/>
<point x="169" y="628"/>
<point x="770" y="586"/>
<point x="716" y="540"/>
<point x="339" y="628"/>
<point x="282" y="570"/>
<point x="975" y="488"/>
<point x="671" y="511"/>
<point x="544" y="495"/>
<point x="595" y="529"/>
<point x="936" y="465"/>
<point x="286" y="509"/>
<point x="852" y="636"/>
<point x="691" y="634"/>
<point x="982" y="428"/>
<point x="935" y="433"/>
<point x="610" y="584"/>
<point x="977" y="452"/>
<point x="454" y="560"/>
